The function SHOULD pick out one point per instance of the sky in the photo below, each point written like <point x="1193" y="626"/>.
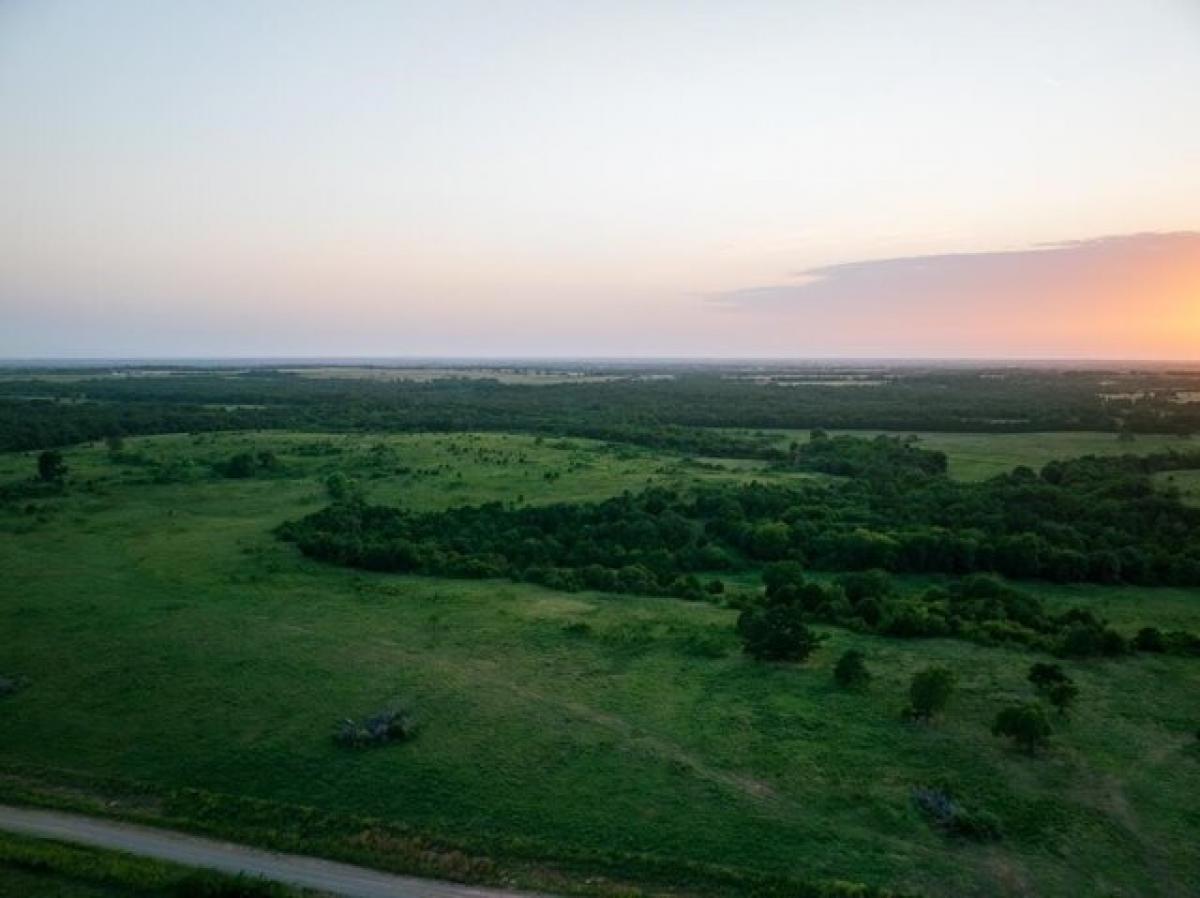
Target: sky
<point x="802" y="179"/>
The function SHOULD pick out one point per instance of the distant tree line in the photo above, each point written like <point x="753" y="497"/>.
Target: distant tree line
<point x="676" y="413"/>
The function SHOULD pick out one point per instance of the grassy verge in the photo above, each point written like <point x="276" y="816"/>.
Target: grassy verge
<point x="36" y="867"/>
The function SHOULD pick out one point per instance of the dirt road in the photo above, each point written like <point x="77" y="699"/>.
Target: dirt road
<point x="196" y="851"/>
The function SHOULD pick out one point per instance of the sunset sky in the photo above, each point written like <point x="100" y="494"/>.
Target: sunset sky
<point x="783" y="179"/>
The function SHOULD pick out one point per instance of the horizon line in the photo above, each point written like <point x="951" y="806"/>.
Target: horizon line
<point x="384" y="360"/>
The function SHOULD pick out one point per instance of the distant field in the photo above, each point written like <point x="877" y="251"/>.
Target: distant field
<point x="81" y="374"/>
<point x="527" y="376"/>
<point x="531" y="376"/>
<point x="977" y="456"/>
<point x="170" y="640"/>
<point x="415" y="470"/>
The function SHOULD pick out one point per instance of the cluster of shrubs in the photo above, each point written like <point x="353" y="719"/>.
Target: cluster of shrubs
<point x="884" y="457"/>
<point x="182" y="469"/>
<point x="249" y="464"/>
<point x="380" y="729"/>
<point x="1173" y="642"/>
<point x="778" y="633"/>
<point x="1026" y="722"/>
<point x="978" y="608"/>
<point x="931" y="689"/>
<point x="777" y="630"/>
<point x="947" y="814"/>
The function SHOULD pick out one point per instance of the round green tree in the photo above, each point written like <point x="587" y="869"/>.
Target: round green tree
<point x="851" y="670"/>
<point x="930" y="691"/>
<point x="1026" y="724"/>
<point x="777" y="633"/>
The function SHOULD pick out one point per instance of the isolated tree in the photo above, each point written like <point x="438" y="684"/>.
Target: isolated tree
<point x="1026" y="724"/>
<point x="777" y="633"/>
<point x="1062" y="696"/>
<point x="1149" y="639"/>
<point x="1043" y="676"/>
<point x="114" y="442"/>
<point x="930" y="691"/>
<point x="242" y="464"/>
<point x="1053" y="683"/>
<point x="851" y="671"/>
<point x="341" y="488"/>
<point x="51" y="467"/>
<point x="267" y="460"/>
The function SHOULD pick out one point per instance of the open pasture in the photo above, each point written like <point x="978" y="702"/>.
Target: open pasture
<point x="977" y="456"/>
<point x="170" y="641"/>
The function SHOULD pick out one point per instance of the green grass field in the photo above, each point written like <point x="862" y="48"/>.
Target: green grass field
<point x="171" y="643"/>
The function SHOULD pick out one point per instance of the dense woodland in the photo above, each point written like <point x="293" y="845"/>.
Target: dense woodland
<point x="1089" y="519"/>
<point x="653" y="408"/>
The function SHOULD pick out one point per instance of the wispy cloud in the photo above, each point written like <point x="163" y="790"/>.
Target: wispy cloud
<point x="1063" y="270"/>
<point x="1133" y="295"/>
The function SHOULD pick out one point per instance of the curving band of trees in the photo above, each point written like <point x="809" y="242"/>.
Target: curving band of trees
<point x="1091" y="519"/>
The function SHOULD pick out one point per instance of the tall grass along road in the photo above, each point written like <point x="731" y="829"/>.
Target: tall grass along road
<point x="294" y="870"/>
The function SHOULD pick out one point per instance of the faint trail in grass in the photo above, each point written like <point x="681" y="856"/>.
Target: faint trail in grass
<point x="479" y="672"/>
<point x="1116" y="804"/>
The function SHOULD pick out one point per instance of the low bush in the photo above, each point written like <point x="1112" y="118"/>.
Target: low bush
<point x="1026" y="724"/>
<point x="10" y="685"/>
<point x="851" y="671"/>
<point x="1043" y="675"/>
<point x="379" y="729"/>
<point x="248" y="464"/>
<point x="947" y="814"/>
